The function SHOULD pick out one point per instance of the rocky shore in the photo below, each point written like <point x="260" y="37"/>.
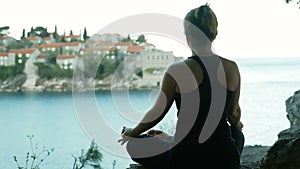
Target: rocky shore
<point x="16" y="84"/>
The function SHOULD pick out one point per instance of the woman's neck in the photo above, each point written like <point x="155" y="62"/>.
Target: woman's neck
<point x="203" y="53"/>
<point x="202" y="50"/>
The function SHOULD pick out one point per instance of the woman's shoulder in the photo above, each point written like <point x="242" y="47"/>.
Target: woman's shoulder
<point x="179" y="68"/>
<point x="231" y="64"/>
<point x="177" y="65"/>
<point x="227" y="61"/>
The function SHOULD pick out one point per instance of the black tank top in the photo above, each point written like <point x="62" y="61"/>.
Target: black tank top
<point x="190" y="125"/>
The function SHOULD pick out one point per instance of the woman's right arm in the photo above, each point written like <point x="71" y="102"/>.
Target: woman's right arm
<point x="234" y="117"/>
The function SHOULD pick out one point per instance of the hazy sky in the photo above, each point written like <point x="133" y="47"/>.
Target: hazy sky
<point x="252" y="28"/>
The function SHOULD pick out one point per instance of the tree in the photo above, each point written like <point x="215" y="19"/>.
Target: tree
<point x="31" y="33"/>
<point x="71" y="32"/>
<point x="4" y="30"/>
<point x="23" y="34"/>
<point x="85" y="36"/>
<point x="55" y="34"/>
<point x="41" y="32"/>
<point x="141" y="39"/>
<point x="126" y="39"/>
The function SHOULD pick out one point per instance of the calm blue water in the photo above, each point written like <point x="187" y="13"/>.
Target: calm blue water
<point x="52" y="119"/>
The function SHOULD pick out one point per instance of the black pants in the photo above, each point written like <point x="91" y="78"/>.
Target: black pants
<point x="238" y="138"/>
<point x="161" y="161"/>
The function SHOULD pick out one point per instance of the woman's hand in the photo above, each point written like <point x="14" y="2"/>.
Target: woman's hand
<point x="159" y="134"/>
<point x="240" y="125"/>
<point x="126" y="134"/>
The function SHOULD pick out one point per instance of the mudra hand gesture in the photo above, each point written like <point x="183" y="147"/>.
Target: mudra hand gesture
<point x="160" y="134"/>
<point x="128" y="133"/>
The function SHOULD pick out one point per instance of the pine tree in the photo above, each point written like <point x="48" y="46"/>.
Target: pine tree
<point x="55" y="34"/>
<point x="31" y="33"/>
<point x="85" y="36"/>
<point x="23" y="34"/>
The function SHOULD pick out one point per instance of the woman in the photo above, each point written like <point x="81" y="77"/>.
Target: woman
<point x="206" y="90"/>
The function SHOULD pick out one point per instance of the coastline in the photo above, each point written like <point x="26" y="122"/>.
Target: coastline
<point x="66" y="85"/>
<point x="16" y="84"/>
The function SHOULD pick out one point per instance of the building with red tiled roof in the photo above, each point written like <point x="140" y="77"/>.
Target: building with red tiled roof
<point x="23" y="51"/>
<point x="5" y="37"/>
<point x="41" y="58"/>
<point x="69" y="38"/>
<point x="3" y="54"/>
<point x="135" y="49"/>
<point x="66" y="56"/>
<point x="66" y="61"/>
<point x="71" y="48"/>
<point x="49" y="40"/>
<point x="105" y="44"/>
<point x="128" y="43"/>
<point x="4" y="60"/>
<point x="21" y="55"/>
<point x="6" y="40"/>
<point x="2" y="48"/>
<point x="72" y="44"/>
<point x="51" y="47"/>
<point x="35" y="40"/>
<point x="147" y="46"/>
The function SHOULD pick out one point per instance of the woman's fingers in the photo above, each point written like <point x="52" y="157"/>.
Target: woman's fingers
<point x="154" y="132"/>
<point x="150" y="132"/>
<point x="125" y="135"/>
<point x="123" y="141"/>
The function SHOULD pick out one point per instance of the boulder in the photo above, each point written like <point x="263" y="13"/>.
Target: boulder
<point x="285" y="153"/>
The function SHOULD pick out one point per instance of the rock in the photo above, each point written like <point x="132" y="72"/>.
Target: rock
<point x="285" y="153"/>
<point x="13" y="84"/>
<point x="293" y="110"/>
<point x="250" y="158"/>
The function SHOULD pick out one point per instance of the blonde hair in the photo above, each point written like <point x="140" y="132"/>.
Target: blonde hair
<point x="204" y="19"/>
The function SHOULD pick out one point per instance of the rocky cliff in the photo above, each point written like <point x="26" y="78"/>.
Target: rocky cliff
<point x="285" y="153"/>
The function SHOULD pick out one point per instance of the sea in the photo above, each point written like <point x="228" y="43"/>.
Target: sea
<point x="56" y="121"/>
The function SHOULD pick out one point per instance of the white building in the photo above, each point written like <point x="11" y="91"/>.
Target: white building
<point x="49" y="40"/>
<point x="51" y="47"/>
<point x="140" y="59"/>
<point x="34" y="40"/>
<point x="156" y="59"/>
<point x="5" y="61"/>
<point x="40" y="58"/>
<point x="71" y="48"/>
<point x="6" y="40"/>
<point x="66" y="61"/>
<point x="19" y="56"/>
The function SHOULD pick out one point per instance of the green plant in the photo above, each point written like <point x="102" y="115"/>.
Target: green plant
<point x="34" y="158"/>
<point x="49" y="71"/>
<point x="92" y="158"/>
